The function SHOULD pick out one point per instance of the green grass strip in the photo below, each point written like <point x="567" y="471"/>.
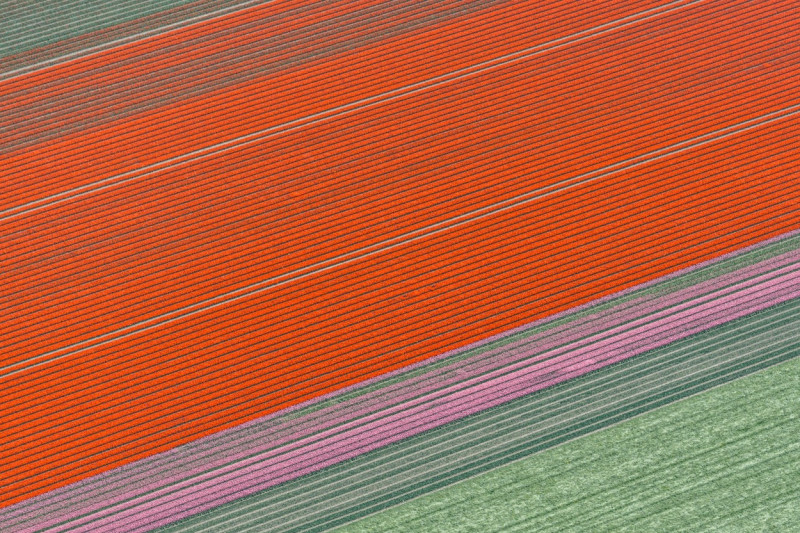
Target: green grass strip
<point x="28" y="24"/>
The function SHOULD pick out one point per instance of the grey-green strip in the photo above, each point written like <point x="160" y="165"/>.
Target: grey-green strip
<point x="29" y="24"/>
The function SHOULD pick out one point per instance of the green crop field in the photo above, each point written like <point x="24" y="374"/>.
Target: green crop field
<point x="724" y="460"/>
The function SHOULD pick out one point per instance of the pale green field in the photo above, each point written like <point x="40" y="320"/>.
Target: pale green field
<point x="725" y="460"/>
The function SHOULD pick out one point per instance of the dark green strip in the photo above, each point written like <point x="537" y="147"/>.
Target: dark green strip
<point x="478" y="443"/>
